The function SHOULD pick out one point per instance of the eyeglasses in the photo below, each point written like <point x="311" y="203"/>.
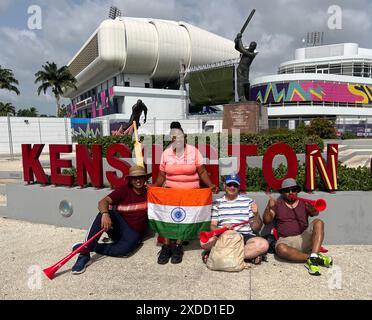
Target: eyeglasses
<point x="293" y="190"/>
<point x="232" y="184"/>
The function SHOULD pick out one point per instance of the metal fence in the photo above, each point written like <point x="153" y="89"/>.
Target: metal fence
<point x="15" y="131"/>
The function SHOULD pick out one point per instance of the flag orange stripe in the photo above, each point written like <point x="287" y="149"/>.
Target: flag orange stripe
<point x="180" y="197"/>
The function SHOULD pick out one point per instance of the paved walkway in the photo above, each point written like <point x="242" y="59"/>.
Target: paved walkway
<point x="27" y="248"/>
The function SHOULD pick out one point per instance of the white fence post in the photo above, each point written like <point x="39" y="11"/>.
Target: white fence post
<point x="10" y="138"/>
<point x="66" y="131"/>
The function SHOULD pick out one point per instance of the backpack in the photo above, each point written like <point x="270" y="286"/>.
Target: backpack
<point x="228" y="253"/>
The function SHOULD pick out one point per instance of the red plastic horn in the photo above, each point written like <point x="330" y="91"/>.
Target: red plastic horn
<point x="204" y="236"/>
<point x="318" y="204"/>
<point x="49" y="272"/>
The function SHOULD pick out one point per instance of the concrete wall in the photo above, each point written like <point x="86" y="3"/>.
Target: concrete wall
<point x="41" y="204"/>
<point x="347" y="218"/>
<point x="33" y="130"/>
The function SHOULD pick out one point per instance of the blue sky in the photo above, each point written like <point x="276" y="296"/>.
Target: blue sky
<point x="277" y="26"/>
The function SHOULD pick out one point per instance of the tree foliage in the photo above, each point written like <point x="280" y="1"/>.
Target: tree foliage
<point x="57" y="79"/>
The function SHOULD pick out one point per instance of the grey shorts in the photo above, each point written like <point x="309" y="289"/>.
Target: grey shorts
<point x="302" y="242"/>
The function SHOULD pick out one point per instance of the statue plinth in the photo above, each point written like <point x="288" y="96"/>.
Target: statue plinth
<point x="248" y="117"/>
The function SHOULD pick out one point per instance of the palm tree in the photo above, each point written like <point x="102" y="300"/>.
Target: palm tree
<point x="56" y="79"/>
<point x="62" y="111"/>
<point x="6" y="108"/>
<point x="7" y="80"/>
<point x="32" y="112"/>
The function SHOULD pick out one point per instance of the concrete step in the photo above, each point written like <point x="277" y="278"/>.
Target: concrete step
<point x="355" y="146"/>
<point x="356" y="161"/>
<point x="18" y="175"/>
<point x="345" y="156"/>
<point x="368" y="163"/>
<point x="351" y="142"/>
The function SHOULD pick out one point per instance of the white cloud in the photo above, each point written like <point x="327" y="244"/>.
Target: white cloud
<point x="277" y="27"/>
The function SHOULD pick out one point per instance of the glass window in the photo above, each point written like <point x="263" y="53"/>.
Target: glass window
<point x="289" y="70"/>
<point x="283" y="123"/>
<point x="310" y="69"/>
<point x="323" y="66"/>
<point x="357" y="70"/>
<point x="273" y="123"/>
<point x="299" y="69"/>
<point x="335" y="69"/>
<point x="366" y="70"/>
<point x="347" y="69"/>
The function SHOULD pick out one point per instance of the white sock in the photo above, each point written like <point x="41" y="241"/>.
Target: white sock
<point x="314" y="255"/>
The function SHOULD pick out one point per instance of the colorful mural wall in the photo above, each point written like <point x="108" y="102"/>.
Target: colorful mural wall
<point x="103" y="104"/>
<point x="296" y="91"/>
<point x="87" y="128"/>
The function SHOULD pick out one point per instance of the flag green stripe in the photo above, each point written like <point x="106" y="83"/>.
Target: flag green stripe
<point x="180" y="231"/>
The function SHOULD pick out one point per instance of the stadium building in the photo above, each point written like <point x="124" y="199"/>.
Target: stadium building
<point x="330" y="81"/>
<point x="127" y="59"/>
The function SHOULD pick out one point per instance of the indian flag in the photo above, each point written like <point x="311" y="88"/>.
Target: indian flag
<point x="179" y="213"/>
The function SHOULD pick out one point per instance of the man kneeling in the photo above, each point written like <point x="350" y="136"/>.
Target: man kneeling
<point x="234" y="208"/>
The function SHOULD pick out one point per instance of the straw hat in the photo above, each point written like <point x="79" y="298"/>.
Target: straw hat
<point x="137" y="171"/>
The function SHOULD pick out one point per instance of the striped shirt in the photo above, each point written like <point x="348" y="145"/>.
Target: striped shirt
<point x="235" y="211"/>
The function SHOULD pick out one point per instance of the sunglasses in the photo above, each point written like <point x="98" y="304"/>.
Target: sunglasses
<point x="180" y="137"/>
<point x="232" y="184"/>
<point x="293" y="190"/>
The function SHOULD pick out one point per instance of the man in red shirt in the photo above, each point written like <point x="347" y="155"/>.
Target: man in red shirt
<point x="298" y="240"/>
<point x="125" y="223"/>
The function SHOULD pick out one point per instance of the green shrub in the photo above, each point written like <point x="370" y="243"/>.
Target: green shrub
<point x="322" y="127"/>
<point x="296" y="141"/>
<point x="348" y="135"/>
<point x="263" y="140"/>
<point x="349" y="179"/>
<point x="106" y="142"/>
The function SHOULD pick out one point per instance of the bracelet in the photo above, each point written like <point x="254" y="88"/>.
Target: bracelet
<point x="106" y="212"/>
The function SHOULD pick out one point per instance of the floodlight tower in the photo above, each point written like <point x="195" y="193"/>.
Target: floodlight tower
<point x="114" y="12"/>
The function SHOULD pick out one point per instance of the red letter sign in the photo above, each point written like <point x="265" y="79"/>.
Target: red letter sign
<point x="121" y="165"/>
<point x="156" y="151"/>
<point x="84" y="164"/>
<point x="315" y="160"/>
<point x="31" y="164"/>
<point x="245" y="151"/>
<point x="212" y="168"/>
<point x="56" y="164"/>
<point x="267" y="164"/>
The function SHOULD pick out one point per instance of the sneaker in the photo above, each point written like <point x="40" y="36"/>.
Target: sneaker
<point x="324" y="260"/>
<point x="312" y="266"/>
<point x="164" y="254"/>
<point x="85" y="250"/>
<point x="81" y="264"/>
<point x="177" y="254"/>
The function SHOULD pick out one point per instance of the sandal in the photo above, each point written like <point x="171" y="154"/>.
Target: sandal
<point x="205" y="255"/>
<point x="257" y="260"/>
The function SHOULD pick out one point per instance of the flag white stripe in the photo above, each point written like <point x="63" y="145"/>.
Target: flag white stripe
<point x="193" y="214"/>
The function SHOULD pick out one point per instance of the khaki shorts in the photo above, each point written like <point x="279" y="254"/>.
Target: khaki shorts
<point x="302" y="242"/>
